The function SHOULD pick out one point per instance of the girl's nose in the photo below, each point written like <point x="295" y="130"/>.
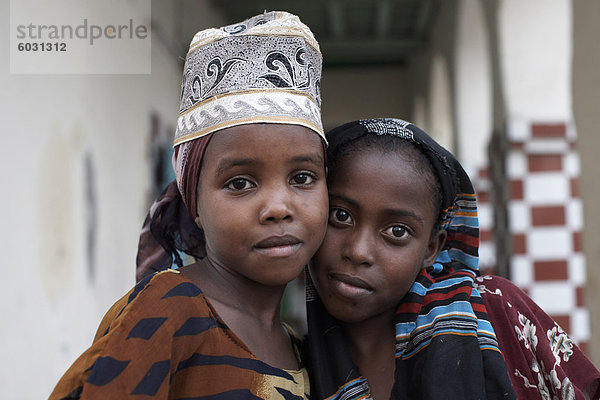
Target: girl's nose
<point x="359" y="247"/>
<point x="277" y="206"/>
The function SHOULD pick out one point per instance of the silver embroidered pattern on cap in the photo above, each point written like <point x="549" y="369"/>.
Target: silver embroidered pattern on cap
<point x="388" y="126"/>
<point x="266" y="69"/>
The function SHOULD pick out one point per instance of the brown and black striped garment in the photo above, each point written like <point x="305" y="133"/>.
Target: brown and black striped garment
<point x="164" y="339"/>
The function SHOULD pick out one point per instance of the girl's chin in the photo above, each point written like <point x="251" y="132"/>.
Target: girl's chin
<point x="347" y="313"/>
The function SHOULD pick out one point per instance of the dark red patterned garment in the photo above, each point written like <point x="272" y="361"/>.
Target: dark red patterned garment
<point x="543" y="362"/>
<point x="164" y="340"/>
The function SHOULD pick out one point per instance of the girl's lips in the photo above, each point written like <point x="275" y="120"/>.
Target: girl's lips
<point x="278" y="246"/>
<point x="278" y="241"/>
<point x="279" y="251"/>
<point x="349" y="286"/>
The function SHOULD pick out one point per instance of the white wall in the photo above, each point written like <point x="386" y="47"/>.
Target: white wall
<point x="441" y="117"/>
<point x="51" y="305"/>
<point x="347" y="95"/>
<point x="586" y="84"/>
<point x="535" y="56"/>
<point x="473" y="85"/>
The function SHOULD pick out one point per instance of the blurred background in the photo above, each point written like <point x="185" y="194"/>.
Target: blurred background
<point x="509" y="86"/>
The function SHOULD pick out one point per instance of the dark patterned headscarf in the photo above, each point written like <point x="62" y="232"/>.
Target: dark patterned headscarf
<point x="446" y="347"/>
<point x="266" y="69"/>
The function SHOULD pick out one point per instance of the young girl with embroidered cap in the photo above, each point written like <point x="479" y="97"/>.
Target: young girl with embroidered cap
<point x="250" y="202"/>
<point x="400" y="310"/>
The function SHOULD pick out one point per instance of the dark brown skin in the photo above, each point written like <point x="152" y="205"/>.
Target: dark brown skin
<point x="262" y="203"/>
<point x="380" y="235"/>
<point x="372" y="347"/>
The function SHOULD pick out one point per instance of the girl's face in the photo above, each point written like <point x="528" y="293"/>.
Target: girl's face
<point x="262" y="201"/>
<point x="379" y="235"/>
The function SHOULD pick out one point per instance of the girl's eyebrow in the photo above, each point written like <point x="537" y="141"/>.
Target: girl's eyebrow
<point x="228" y="163"/>
<point x="343" y="199"/>
<point x="388" y="211"/>
<point x="403" y="213"/>
<point x="315" y="158"/>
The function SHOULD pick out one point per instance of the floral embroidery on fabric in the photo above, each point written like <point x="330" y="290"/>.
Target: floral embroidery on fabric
<point x="559" y="343"/>
<point x="527" y="334"/>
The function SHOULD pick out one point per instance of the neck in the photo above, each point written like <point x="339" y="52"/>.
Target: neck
<point x="374" y="336"/>
<point x="372" y="347"/>
<point x="220" y="285"/>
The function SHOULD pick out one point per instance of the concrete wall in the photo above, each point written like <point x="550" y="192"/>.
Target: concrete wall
<point x="473" y="88"/>
<point x="351" y="93"/>
<point x="431" y="72"/>
<point x="585" y="82"/>
<point x="535" y="58"/>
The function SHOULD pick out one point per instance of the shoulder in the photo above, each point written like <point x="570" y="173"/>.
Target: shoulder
<point x="502" y="298"/>
<point x="162" y="296"/>
<point x="161" y="307"/>
<point x="495" y="288"/>
<point x="495" y="282"/>
<point x="166" y="287"/>
<point x="159" y="322"/>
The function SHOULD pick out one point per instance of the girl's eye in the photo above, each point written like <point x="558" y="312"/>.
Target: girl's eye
<point x="339" y="216"/>
<point x="239" y="184"/>
<point x="302" y="179"/>
<point x="396" y="231"/>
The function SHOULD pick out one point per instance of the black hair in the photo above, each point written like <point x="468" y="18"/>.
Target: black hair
<point x="393" y="144"/>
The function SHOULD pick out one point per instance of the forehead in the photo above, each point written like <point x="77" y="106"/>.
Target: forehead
<point x="374" y="176"/>
<point x="384" y="167"/>
<point x="267" y="142"/>
<point x="273" y="135"/>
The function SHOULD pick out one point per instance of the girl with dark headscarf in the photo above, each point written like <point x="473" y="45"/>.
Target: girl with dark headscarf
<point x="250" y="203"/>
<point x="396" y="305"/>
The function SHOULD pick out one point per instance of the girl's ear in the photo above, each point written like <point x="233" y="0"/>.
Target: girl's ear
<point x="436" y="244"/>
